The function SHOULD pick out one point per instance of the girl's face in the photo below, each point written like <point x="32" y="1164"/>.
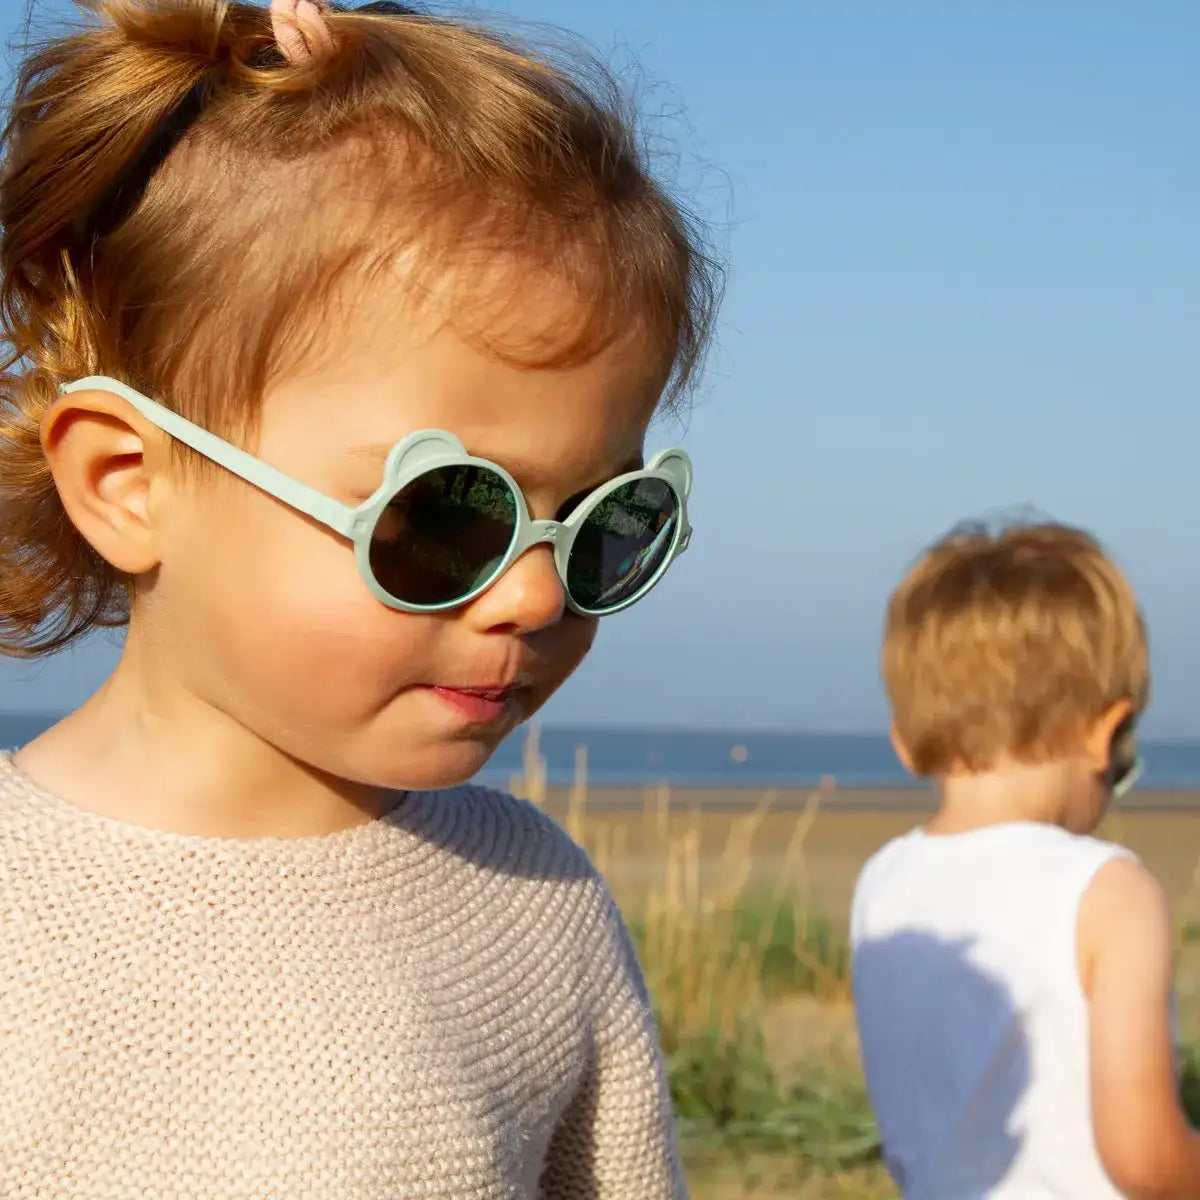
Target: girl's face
<point x="270" y="622"/>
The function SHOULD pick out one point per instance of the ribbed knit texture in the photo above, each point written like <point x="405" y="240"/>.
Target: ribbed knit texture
<point x="441" y="1003"/>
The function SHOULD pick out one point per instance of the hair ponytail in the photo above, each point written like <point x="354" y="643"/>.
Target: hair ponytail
<point x="93" y="117"/>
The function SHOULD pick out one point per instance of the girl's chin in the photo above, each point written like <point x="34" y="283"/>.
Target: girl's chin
<point x="438" y="767"/>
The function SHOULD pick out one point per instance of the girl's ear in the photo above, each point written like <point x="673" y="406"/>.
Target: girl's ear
<point x="100" y="460"/>
<point x="901" y="750"/>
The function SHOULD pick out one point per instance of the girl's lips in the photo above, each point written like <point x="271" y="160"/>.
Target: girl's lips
<point x="480" y="707"/>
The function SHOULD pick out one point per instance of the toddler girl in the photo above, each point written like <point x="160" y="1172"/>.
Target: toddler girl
<point x="334" y="338"/>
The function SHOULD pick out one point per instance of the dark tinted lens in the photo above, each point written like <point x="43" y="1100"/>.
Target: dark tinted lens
<point x="622" y="544"/>
<point x="443" y="535"/>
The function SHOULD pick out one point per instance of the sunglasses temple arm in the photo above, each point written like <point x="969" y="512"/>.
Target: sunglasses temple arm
<point x="299" y="496"/>
<point x="321" y="508"/>
<point x="312" y="503"/>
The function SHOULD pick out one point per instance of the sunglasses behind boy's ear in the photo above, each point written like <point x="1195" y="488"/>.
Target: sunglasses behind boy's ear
<point x="1125" y="765"/>
<point x="1128" y="775"/>
<point x="443" y="526"/>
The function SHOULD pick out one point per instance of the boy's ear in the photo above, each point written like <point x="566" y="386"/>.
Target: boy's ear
<point x="1098" y="744"/>
<point x="901" y="749"/>
<point x="99" y="456"/>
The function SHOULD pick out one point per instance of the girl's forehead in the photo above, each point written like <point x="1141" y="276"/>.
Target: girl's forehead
<point x="545" y="425"/>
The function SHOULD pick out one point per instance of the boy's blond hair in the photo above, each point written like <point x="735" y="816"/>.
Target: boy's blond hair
<point x="1006" y="645"/>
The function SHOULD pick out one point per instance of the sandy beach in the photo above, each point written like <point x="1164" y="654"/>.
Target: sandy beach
<point x="629" y="829"/>
<point x="913" y="800"/>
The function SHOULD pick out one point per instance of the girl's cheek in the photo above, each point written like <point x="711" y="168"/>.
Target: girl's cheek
<point x="260" y="583"/>
<point x="305" y="570"/>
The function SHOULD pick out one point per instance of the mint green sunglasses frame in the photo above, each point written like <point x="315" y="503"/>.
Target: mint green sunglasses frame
<point x="412" y="457"/>
<point x="1129" y="779"/>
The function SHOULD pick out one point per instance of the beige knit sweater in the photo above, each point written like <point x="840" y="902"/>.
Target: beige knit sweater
<point x="442" y="1003"/>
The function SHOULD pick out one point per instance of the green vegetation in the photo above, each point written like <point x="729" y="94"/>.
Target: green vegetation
<point x="738" y="961"/>
<point x="713" y="981"/>
<point x="716" y="961"/>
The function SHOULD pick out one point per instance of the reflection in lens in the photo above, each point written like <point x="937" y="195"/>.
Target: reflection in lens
<point x="443" y="535"/>
<point x="622" y="544"/>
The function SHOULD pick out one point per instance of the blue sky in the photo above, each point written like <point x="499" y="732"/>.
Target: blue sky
<point x="965" y="277"/>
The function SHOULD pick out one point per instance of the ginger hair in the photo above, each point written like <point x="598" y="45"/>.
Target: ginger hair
<point x="181" y="206"/>
<point x="1007" y="646"/>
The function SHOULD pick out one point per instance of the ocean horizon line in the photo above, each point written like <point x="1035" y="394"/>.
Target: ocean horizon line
<point x="559" y="728"/>
<point x="731" y="757"/>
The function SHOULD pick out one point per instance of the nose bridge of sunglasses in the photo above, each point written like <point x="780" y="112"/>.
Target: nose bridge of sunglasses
<point x="552" y="534"/>
<point x="544" y="531"/>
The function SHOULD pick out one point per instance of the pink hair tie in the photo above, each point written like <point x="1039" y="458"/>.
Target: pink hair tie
<point x="300" y="30"/>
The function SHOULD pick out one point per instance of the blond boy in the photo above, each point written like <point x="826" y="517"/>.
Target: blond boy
<point x="1012" y="972"/>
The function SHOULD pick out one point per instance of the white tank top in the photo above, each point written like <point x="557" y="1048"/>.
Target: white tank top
<point x="973" y="1021"/>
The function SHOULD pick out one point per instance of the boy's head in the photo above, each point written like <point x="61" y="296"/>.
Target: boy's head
<point x="1016" y="647"/>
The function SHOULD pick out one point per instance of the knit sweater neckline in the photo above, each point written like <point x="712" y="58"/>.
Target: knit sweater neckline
<point x="344" y="852"/>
